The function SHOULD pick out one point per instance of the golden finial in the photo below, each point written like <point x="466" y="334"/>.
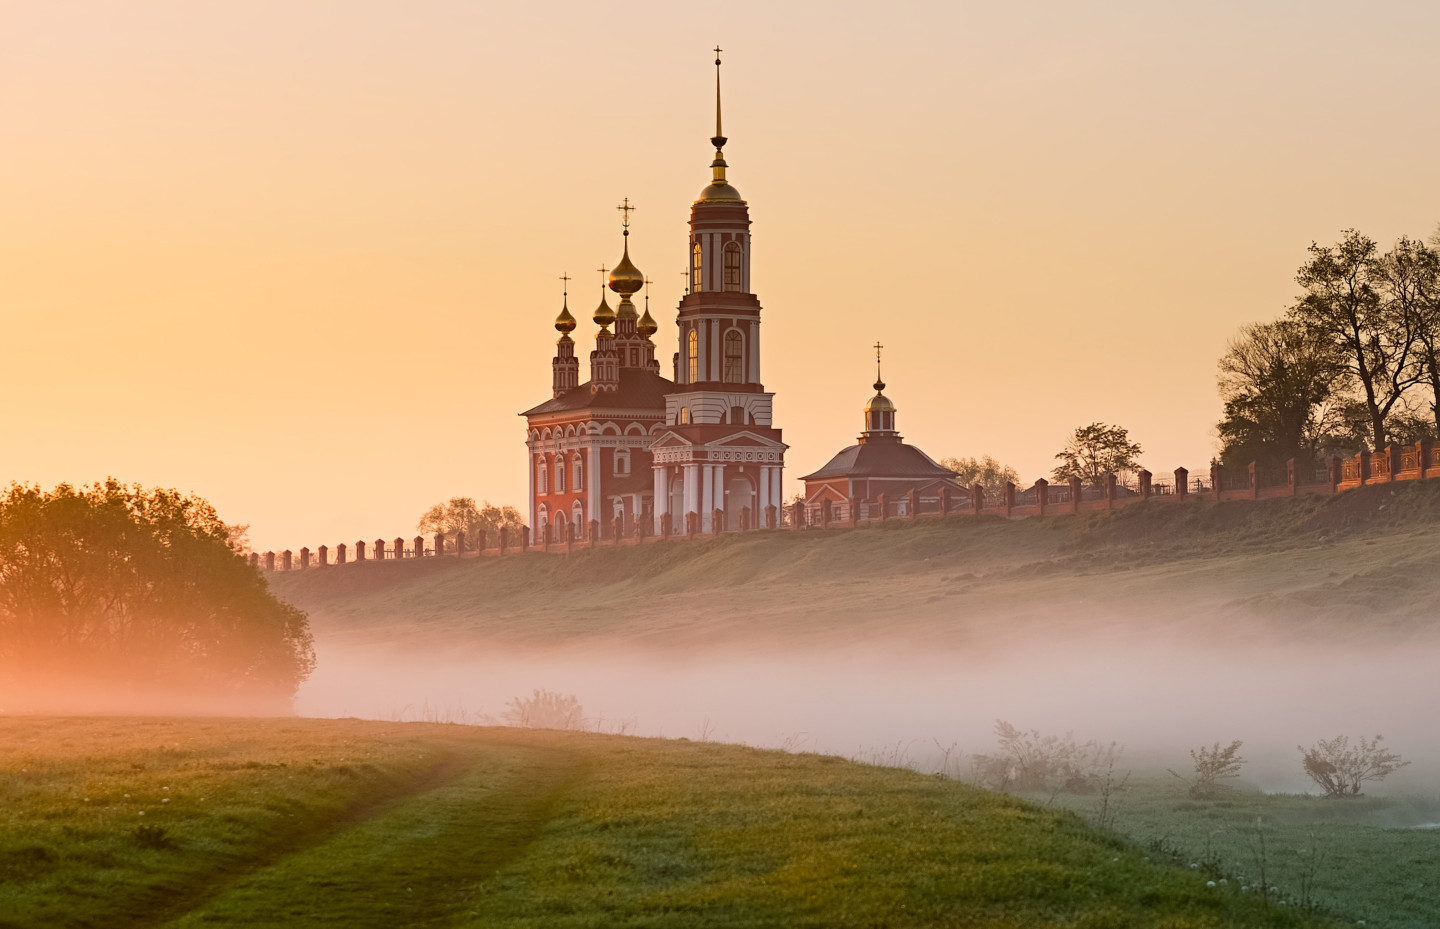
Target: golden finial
<point x="647" y="325"/>
<point x="719" y="188"/>
<point x="879" y="384"/>
<point x="719" y="138"/>
<point x="565" y="323"/>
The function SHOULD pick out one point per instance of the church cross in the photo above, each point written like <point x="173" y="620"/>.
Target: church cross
<point x="602" y="270"/>
<point x="878" y="385"/>
<point x="625" y="209"/>
<point x="565" y="276"/>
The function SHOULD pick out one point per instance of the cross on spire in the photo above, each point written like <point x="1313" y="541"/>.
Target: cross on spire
<point x="625" y="209"/>
<point x="879" y="384"/>
<point x="648" y="282"/>
<point x="565" y="277"/>
<point x="602" y="269"/>
<point x="719" y="140"/>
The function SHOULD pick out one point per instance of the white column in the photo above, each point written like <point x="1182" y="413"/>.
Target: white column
<point x="764" y="498"/>
<point x="662" y="494"/>
<point x="716" y="373"/>
<point x="534" y="504"/>
<point x="719" y="473"/>
<point x="776" y="496"/>
<point x="692" y="493"/>
<point x="707" y="500"/>
<point x="754" y="372"/>
<point x="592" y="487"/>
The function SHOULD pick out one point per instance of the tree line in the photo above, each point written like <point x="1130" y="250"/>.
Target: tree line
<point x="1353" y="363"/>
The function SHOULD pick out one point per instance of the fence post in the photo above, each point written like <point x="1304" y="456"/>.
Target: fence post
<point x="379" y="549"/>
<point x="944" y="500"/>
<point x="1009" y="497"/>
<point x="255" y="560"/>
<point x="1146" y="484"/>
<point x="460" y="544"/>
<point x="359" y="551"/>
<point x="324" y="553"/>
<point x="1042" y="494"/>
<point x="618" y="528"/>
<point x="285" y="560"/>
<point x="594" y="532"/>
<point x="304" y="558"/>
<point x="883" y="514"/>
<point x="913" y="502"/>
<point x="799" y="514"/>
<point x="977" y="498"/>
<point x="1336" y="470"/>
<point x="399" y="548"/>
<point x="504" y="538"/>
<point x="269" y="561"/>
<point x="1292" y="476"/>
<point x="1422" y="456"/>
<point x="1109" y="490"/>
<point x="1394" y="459"/>
<point x="854" y="508"/>
<point x="524" y="538"/>
<point x="1364" y="469"/>
<point x="1217" y="478"/>
<point x="825" y="513"/>
<point x="340" y="553"/>
<point x="1182" y="483"/>
<point x="1252" y="474"/>
<point x="1077" y="493"/>
<point x="692" y="523"/>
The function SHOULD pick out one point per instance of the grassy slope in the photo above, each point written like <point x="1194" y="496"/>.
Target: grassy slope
<point x="1285" y="565"/>
<point x="301" y="823"/>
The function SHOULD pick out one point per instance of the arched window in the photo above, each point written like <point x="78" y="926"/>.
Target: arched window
<point x="734" y="357"/>
<point x="692" y="356"/>
<point x="622" y="461"/>
<point x="684" y="415"/>
<point x="577" y="474"/>
<point x="577" y="513"/>
<point x="695" y="264"/>
<point x="732" y="266"/>
<point x="541" y="475"/>
<point x="559" y="475"/>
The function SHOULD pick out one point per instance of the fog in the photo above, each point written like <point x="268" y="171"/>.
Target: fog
<point x="904" y="702"/>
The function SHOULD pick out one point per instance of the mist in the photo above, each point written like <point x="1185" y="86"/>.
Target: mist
<point x="907" y="702"/>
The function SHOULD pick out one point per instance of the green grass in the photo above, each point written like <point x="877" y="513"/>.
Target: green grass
<point x="1288" y="566"/>
<point x="1361" y="857"/>
<point x="308" y="823"/>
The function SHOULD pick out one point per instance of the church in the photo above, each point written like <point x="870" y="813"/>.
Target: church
<point x="632" y="452"/>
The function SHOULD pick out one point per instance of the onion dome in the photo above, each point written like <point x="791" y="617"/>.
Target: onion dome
<point x="647" y="325"/>
<point x="565" y="323"/>
<point x="625" y="278"/>
<point x="879" y="404"/>
<point x="719" y="192"/>
<point x="604" y="316"/>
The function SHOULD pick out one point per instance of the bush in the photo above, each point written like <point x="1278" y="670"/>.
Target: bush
<point x="1212" y="764"/>
<point x="1028" y="761"/>
<point x="545" y="709"/>
<point x="1340" y="770"/>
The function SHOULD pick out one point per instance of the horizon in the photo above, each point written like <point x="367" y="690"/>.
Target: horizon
<point x="262" y="252"/>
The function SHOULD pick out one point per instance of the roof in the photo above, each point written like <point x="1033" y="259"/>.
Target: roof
<point x="640" y="389"/>
<point x="882" y="459"/>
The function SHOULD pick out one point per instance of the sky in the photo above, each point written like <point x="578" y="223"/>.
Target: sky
<point x="302" y="258"/>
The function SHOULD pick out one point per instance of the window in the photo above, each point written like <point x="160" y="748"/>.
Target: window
<point x="692" y="356"/>
<point x="737" y="415"/>
<point x="684" y="415"/>
<point x="734" y="357"/>
<point x="622" y="461"/>
<point x="559" y="475"/>
<point x="695" y="283"/>
<point x="577" y="475"/>
<point x="732" y="266"/>
<point x="540" y="477"/>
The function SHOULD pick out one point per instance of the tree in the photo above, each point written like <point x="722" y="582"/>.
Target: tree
<point x="1341" y="770"/>
<point x="461" y="514"/>
<point x="1351" y="300"/>
<point x="987" y="472"/>
<point x="1412" y="272"/>
<point x="116" y="587"/>
<point x="545" y="709"/>
<point x="1211" y="765"/>
<point x="1095" y="450"/>
<point x="1284" y="389"/>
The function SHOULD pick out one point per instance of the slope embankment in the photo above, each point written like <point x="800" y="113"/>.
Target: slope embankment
<point x="1363" y="563"/>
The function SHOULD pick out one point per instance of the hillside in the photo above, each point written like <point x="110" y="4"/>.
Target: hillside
<point x="120" y="823"/>
<point x="1290" y="567"/>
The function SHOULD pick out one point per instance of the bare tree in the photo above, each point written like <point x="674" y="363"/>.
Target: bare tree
<point x="1340" y="769"/>
<point x="987" y="472"/>
<point x="545" y="709"/>
<point x="1349" y="301"/>
<point x="1211" y="765"/>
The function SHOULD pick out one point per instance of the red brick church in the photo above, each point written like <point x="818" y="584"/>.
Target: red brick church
<point x="633" y="452"/>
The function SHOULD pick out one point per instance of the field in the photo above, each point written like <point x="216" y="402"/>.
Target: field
<point x="158" y="822"/>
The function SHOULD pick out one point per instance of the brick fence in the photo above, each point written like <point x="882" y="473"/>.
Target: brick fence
<point x="1417" y="461"/>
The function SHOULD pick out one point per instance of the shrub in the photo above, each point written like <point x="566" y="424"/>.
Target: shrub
<point x="1030" y="761"/>
<point x="545" y="709"/>
<point x="1340" y="770"/>
<point x="1212" y="764"/>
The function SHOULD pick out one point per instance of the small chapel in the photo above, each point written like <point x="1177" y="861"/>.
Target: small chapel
<point x="632" y="452"/>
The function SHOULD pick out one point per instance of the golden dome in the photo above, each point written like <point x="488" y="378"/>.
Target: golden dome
<point x="625" y="278"/>
<point x="647" y="325"/>
<point x="879" y="404"/>
<point x="565" y="322"/>
<point x="604" y="316"/>
<point x="719" y="192"/>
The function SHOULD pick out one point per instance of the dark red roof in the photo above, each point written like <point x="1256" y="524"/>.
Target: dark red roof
<point x="640" y="389"/>
<point x="881" y="459"/>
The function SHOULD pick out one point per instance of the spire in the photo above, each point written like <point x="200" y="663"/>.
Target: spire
<point x="565" y="323"/>
<point x="719" y="188"/>
<point x="879" y="412"/>
<point x="603" y="315"/>
<point x="626" y="279"/>
<point x="879" y="382"/>
<point x="647" y="326"/>
<point x="565" y="369"/>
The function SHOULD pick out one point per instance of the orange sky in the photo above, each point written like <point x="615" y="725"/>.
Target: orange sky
<point x="301" y="257"/>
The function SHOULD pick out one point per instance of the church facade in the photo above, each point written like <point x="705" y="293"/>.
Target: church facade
<point x="630" y="451"/>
